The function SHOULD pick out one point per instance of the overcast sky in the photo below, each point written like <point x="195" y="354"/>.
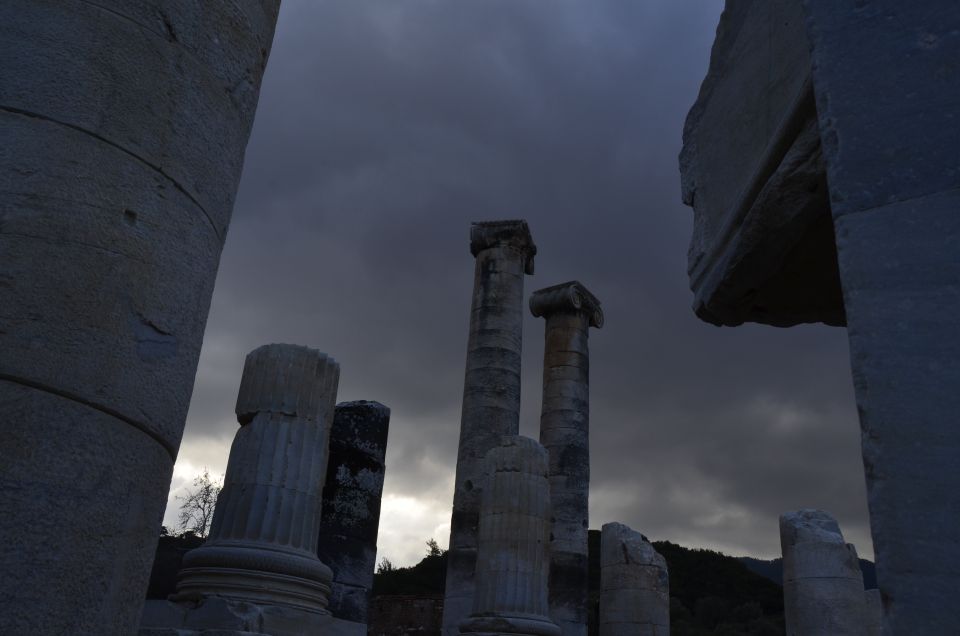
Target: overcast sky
<point x="384" y="129"/>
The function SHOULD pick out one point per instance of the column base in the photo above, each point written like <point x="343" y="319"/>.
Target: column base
<point x="216" y="616"/>
<point x="256" y="575"/>
<point x="509" y="626"/>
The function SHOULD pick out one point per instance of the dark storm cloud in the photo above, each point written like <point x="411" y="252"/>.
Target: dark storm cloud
<point x="384" y="128"/>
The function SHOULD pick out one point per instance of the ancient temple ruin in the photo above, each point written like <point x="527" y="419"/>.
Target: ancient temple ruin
<point x="820" y="162"/>
<point x="260" y="569"/>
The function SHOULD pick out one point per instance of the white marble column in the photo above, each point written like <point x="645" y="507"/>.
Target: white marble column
<point x="513" y="556"/>
<point x="634" y="585"/>
<point x="570" y="310"/>
<point x="504" y="252"/>
<point x="263" y="543"/>
<point x="124" y="129"/>
<point x="822" y="584"/>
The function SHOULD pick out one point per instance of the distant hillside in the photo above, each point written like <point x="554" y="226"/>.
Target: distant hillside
<point x="711" y="594"/>
<point x="773" y="570"/>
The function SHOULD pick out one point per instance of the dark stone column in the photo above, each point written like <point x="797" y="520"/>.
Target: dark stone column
<point x="351" y="505"/>
<point x="570" y="310"/>
<point x="504" y="253"/>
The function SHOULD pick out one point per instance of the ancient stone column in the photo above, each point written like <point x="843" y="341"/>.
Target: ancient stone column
<point x="513" y="555"/>
<point x="504" y="253"/>
<point x="873" y="613"/>
<point x="262" y="546"/>
<point x="124" y="129"/>
<point x="351" y="506"/>
<point x="822" y="583"/>
<point x="570" y="310"/>
<point x="634" y="585"/>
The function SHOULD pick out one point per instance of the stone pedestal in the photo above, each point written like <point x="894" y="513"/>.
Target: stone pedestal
<point x="351" y="506"/>
<point x="570" y="310"/>
<point x="504" y="253"/>
<point x="513" y="556"/>
<point x="822" y="584"/>
<point x="634" y="585"/>
<point x="262" y="546"/>
<point x="124" y="129"/>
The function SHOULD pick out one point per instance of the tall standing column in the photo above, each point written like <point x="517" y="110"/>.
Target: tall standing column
<point x="634" y="585"/>
<point x="570" y="310"/>
<point x="263" y="542"/>
<point x="504" y="252"/>
<point x="351" y="506"/>
<point x="124" y="129"/>
<point x="512" y="559"/>
<point x="822" y="583"/>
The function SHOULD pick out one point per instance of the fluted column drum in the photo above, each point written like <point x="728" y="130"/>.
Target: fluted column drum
<point x="512" y="568"/>
<point x="263" y="541"/>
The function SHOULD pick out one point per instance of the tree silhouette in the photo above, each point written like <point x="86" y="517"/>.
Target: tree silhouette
<point x="196" y="511"/>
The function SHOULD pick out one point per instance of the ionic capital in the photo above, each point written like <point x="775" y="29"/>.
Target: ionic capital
<point x="568" y="297"/>
<point x="515" y="234"/>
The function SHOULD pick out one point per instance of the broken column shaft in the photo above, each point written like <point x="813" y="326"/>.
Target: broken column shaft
<point x="822" y="582"/>
<point x="504" y="253"/>
<point x="351" y="506"/>
<point x="263" y="542"/>
<point x="634" y="585"/>
<point x="512" y="558"/>
<point x="570" y="310"/>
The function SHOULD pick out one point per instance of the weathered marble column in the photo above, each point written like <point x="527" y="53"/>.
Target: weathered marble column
<point x="504" y="253"/>
<point x="822" y="584"/>
<point x="570" y="310"/>
<point x="263" y="542"/>
<point x="351" y="506"/>
<point x="513" y="555"/>
<point x="634" y="585"/>
<point x="124" y="130"/>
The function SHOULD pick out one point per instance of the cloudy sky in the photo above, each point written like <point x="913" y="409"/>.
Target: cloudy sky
<point x="384" y="128"/>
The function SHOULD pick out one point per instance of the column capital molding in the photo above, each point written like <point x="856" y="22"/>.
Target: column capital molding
<point x="566" y="297"/>
<point x="514" y="233"/>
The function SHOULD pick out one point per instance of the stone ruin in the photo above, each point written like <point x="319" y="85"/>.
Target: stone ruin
<point x="822" y="583"/>
<point x="634" y="585"/>
<point x="259" y="570"/>
<point x="499" y="579"/>
<point x="819" y="158"/>
<point x="820" y="161"/>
